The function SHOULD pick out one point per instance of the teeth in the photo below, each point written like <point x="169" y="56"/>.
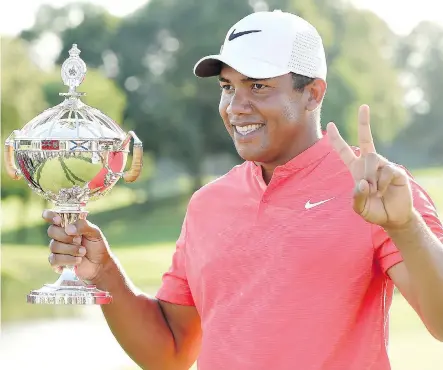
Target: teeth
<point x="244" y="130"/>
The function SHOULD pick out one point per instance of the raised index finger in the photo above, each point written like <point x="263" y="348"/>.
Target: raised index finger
<point x="340" y="145"/>
<point x="365" y="140"/>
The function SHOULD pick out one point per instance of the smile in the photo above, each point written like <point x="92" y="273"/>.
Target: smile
<point x="245" y="130"/>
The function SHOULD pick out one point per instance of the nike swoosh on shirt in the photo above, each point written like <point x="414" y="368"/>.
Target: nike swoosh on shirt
<point x="310" y="205"/>
<point x="234" y="35"/>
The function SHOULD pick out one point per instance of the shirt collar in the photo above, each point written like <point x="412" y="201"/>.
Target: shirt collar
<point x="313" y="154"/>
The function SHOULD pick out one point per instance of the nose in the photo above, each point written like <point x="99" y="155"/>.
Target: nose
<point x="239" y="104"/>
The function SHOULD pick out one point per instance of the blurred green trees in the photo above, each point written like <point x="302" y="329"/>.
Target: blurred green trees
<point x="143" y="74"/>
<point x="420" y="57"/>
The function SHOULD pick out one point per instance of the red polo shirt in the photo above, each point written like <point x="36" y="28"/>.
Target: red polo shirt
<point x="287" y="276"/>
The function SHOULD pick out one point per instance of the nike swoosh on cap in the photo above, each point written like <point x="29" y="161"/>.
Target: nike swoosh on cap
<point x="234" y="35"/>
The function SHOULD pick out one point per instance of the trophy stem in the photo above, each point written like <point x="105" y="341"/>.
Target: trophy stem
<point x="69" y="289"/>
<point x="72" y="214"/>
<point x="77" y="212"/>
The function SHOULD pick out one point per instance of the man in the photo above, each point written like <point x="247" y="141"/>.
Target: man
<point x="289" y="260"/>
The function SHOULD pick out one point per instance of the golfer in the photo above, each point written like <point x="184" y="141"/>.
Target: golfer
<point x="289" y="260"/>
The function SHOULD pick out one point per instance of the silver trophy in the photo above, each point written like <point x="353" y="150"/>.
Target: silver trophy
<point x="71" y="154"/>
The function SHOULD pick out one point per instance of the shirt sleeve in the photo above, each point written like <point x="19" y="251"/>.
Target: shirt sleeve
<point x="386" y="252"/>
<point x="174" y="288"/>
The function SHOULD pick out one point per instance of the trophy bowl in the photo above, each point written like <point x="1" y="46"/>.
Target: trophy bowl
<point x="71" y="154"/>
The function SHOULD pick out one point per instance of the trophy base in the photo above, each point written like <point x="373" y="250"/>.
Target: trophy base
<point x="69" y="290"/>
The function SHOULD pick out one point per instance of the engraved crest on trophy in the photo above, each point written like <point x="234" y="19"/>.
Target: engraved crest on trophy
<point x="71" y="154"/>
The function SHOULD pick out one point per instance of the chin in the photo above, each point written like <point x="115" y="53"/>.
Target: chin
<point x="249" y="154"/>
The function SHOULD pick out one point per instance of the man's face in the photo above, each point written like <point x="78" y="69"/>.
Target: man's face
<point x="262" y="116"/>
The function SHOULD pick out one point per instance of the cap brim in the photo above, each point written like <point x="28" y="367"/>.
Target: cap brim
<point x="211" y="66"/>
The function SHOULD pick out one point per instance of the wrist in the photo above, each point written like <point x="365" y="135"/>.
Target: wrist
<point x="107" y="272"/>
<point x="412" y="224"/>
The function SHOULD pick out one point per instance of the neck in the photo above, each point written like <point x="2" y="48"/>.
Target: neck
<point x="301" y="143"/>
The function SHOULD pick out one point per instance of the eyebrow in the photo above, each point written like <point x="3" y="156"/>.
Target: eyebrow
<point x="247" y="79"/>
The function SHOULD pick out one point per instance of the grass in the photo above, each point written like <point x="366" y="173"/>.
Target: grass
<point x="431" y="179"/>
<point x="24" y="269"/>
<point x="411" y="346"/>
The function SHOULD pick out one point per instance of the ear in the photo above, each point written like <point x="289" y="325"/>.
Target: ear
<point x="315" y="93"/>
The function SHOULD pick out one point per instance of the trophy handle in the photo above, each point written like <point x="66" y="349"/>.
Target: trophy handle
<point x="137" y="158"/>
<point x="12" y="171"/>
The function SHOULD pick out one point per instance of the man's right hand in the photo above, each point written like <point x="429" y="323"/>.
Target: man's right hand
<point x="155" y="334"/>
<point x="81" y="244"/>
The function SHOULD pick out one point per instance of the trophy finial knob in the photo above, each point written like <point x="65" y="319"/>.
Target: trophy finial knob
<point x="73" y="70"/>
<point x="75" y="51"/>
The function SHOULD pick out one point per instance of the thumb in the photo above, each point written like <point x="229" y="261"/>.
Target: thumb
<point x="361" y="194"/>
<point x="86" y="229"/>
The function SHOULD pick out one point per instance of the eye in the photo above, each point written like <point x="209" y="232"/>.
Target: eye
<point x="226" y="87"/>
<point x="258" y="87"/>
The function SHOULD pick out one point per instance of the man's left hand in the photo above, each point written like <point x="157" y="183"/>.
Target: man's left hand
<point x="382" y="192"/>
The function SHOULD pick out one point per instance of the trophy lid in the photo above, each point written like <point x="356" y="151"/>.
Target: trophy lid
<point x="71" y="119"/>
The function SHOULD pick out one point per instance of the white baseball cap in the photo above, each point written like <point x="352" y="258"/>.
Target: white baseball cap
<point x="269" y="44"/>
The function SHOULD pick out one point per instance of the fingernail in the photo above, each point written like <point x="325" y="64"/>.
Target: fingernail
<point x="361" y="186"/>
<point x="57" y="220"/>
<point x="82" y="251"/>
<point x="70" y="229"/>
<point x="78" y="260"/>
<point x="77" y="240"/>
